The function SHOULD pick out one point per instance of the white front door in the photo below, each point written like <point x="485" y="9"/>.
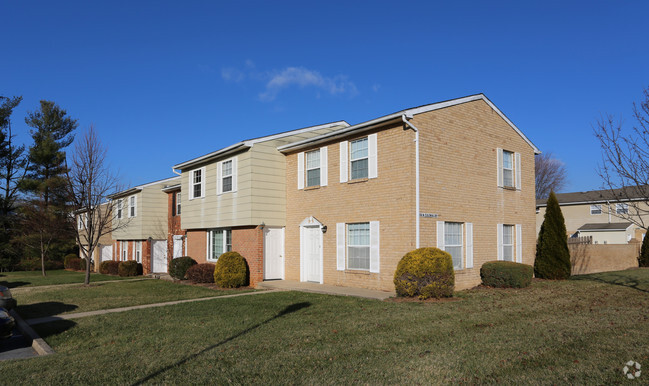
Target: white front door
<point x="106" y="252"/>
<point x="273" y="253"/>
<point x="159" y="256"/>
<point x="178" y="247"/>
<point x="312" y="249"/>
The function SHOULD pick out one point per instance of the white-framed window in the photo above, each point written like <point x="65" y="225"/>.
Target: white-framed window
<point x="138" y="251"/>
<point x="313" y="168"/>
<point x="358" y="246"/>
<point x="120" y="206"/>
<point x="132" y="206"/>
<point x="219" y="241"/>
<point x="82" y="220"/>
<point x="622" y="208"/>
<point x="177" y="204"/>
<point x="453" y="235"/>
<point x="197" y="183"/>
<point x="226" y="176"/>
<point x="124" y="247"/>
<point x="596" y="209"/>
<point x="509" y="169"/>
<point x="508" y="242"/>
<point x="359" y="158"/>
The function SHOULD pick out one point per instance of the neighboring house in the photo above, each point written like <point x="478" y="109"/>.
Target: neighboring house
<point x="457" y="175"/>
<point x="602" y="214"/>
<point x="176" y="236"/>
<point x="141" y="214"/>
<point x="235" y="199"/>
<point x="103" y="251"/>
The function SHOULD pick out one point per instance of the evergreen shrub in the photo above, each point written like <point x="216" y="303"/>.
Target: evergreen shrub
<point x="426" y="273"/>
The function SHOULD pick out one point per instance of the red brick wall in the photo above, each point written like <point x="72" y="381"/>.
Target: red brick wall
<point x="249" y="242"/>
<point x="173" y="227"/>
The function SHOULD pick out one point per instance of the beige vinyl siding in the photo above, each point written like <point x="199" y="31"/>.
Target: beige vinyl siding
<point x="261" y="189"/>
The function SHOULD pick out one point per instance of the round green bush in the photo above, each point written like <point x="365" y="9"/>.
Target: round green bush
<point x="506" y="274"/>
<point x="231" y="271"/>
<point x="67" y="259"/>
<point x="201" y="273"/>
<point x="127" y="268"/>
<point x="109" y="267"/>
<point x="426" y="273"/>
<point x="74" y="264"/>
<point x="179" y="266"/>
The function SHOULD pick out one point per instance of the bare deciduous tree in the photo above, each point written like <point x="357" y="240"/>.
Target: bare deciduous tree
<point x="90" y="182"/>
<point x="550" y="175"/>
<point x="625" y="161"/>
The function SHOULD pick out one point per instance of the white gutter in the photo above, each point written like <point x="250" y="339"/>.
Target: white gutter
<point x="173" y="170"/>
<point x="403" y="118"/>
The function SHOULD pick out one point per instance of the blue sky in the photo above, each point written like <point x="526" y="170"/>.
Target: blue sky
<point x="167" y="81"/>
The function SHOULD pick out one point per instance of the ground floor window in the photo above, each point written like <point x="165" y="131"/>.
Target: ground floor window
<point x="219" y="242"/>
<point x="358" y="246"/>
<point x="124" y="247"/>
<point x="138" y="251"/>
<point x="456" y="238"/>
<point x="510" y="242"/>
<point x="453" y="242"/>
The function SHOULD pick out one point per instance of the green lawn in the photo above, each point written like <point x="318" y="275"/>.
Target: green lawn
<point x="35" y="278"/>
<point x="577" y="331"/>
<point x="62" y="300"/>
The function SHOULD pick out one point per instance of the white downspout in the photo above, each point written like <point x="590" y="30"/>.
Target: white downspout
<point x="403" y="117"/>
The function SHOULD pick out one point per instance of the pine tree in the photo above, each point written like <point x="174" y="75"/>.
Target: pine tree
<point x="552" y="254"/>
<point x="643" y="259"/>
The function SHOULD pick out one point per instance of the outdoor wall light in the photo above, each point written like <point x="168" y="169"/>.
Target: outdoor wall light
<point x="324" y="229"/>
<point x="262" y="225"/>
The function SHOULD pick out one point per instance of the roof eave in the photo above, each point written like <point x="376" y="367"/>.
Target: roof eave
<point x="124" y="193"/>
<point x="215" y="154"/>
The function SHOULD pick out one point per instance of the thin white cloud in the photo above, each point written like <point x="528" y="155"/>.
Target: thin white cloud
<point x="232" y="75"/>
<point x="302" y="78"/>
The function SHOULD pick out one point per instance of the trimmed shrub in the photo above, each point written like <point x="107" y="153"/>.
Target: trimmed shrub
<point x="179" y="266"/>
<point x="201" y="273"/>
<point x="67" y="259"/>
<point x="506" y="274"/>
<point x="552" y="255"/>
<point x="82" y="266"/>
<point x="127" y="268"/>
<point x="74" y="264"/>
<point x="426" y="273"/>
<point x="643" y="259"/>
<point x="51" y="265"/>
<point x="231" y="270"/>
<point x="140" y="269"/>
<point x="109" y="267"/>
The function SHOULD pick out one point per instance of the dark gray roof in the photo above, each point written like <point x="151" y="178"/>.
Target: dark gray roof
<point x="600" y="196"/>
<point x="605" y="226"/>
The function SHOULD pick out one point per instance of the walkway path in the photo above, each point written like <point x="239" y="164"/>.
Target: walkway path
<point x="288" y="285"/>
<point x="17" y="290"/>
<point x="48" y="319"/>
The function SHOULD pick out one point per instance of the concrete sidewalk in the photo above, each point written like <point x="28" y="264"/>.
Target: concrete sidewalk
<point x="48" y="319"/>
<point x="17" y="290"/>
<point x="288" y="285"/>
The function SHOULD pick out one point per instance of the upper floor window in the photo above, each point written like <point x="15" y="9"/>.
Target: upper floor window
<point x="596" y="209"/>
<point x="197" y="183"/>
<point x="509" y="169"/>
<point x="177" y="205"/>
<point x="82" y="220"/>
<point x="359" y="159"/>
<point x="313" y="168"/>
<point x="120" y="205"/>
<point x="226" y="176"/>
<point x="219" y="242"/>
<point x="622" y="208"/>
<point x="132" y="206"/>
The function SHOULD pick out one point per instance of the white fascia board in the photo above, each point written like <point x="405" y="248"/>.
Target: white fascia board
<point x="159" y="182"/>
<point x="294" y="132"/>
<point x="622" y="200"/>
<point x="206" y="157"/>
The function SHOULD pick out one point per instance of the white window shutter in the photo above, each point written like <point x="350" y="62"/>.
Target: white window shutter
<point x="375" y="256"/>
<point x="203" y="181"/>
<point x="499" y="235"/>
<point x="191" y="185"/>
<point x="134" y="206"/>
<point x="499" y="164"/>
<point x="440" y="235"/>
<point x="519" y="243"/>
<point x="234" y="174"/>
<point x="219" y="176"/>
<point x="469" y="244"/>
<point x="340" y="246"/>
<point x="517" y="165"/>
<point x="300" y="170"/>
<point x="343" y="161"/>
<point x="324" y="180"/>
<point x="372" y="171"/>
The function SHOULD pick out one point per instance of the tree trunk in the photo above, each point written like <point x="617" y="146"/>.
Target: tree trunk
<point x="42" y="259"/>
<point x="86" y="281"/>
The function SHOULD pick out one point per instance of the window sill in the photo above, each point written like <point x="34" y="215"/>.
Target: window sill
<point x="358" y="271"/>
<point x="356" y="181"/>
<point x="315" y="187"/>
<point x="512" y="188"/>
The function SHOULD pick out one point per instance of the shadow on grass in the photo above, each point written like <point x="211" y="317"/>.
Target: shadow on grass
<point x="289" y="309"/>
<point x="14" y="284"/>
<point x="46" y="330"/>
<point x="631" y="279"/>
<point x="38" y="310"/>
